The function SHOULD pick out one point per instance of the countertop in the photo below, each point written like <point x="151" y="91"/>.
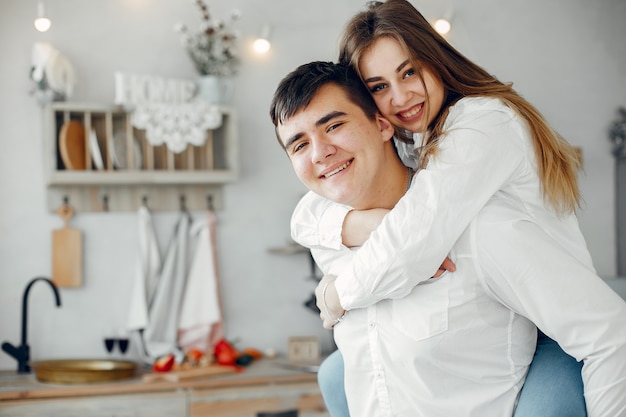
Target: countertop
<point x="15" y="386"/>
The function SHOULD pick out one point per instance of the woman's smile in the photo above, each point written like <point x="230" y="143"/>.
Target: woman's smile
<point x="411" y="114"/>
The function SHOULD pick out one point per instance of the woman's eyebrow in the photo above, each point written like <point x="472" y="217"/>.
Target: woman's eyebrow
<point x="404" y="64"/>
<point x="398" y="69"/>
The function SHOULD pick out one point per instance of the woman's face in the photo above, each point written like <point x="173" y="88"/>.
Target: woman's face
<point x="397" y="87"/>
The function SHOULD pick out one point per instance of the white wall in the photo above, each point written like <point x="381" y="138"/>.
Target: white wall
<point x="567" y="56"/>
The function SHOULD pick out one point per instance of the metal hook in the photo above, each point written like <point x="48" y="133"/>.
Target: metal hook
<point x="105" y="202"/>
<point x="183" y="207"/>
<point x="209" y="202"/>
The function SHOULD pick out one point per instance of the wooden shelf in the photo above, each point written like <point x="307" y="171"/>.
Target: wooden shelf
<point x="140" y="177"/>
<point x="131" y="169"/>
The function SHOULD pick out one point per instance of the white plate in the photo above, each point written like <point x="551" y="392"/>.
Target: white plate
<point x="119" y="156"/>
<point x="94" y="147"/>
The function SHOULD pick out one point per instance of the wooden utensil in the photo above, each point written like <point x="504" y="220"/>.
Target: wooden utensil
<point x="182" y="375"/>
<point x="67" y="252"/>
<point x="72" y="144"/>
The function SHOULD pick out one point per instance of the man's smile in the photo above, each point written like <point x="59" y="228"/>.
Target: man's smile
<point x="337" y="170"/>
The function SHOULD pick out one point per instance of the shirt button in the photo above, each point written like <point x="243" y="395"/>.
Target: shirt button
<point x="372" y="325"/>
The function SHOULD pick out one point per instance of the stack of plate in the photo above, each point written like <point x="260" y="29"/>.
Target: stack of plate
<point x="72" y="144"/>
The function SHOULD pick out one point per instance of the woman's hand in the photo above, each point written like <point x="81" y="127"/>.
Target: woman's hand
<point x="358" y="225"/>
<point x="447" y="265"/>
<point x="331" y="311"/>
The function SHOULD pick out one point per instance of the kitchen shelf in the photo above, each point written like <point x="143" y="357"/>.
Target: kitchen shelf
<point x="124" y="170"/>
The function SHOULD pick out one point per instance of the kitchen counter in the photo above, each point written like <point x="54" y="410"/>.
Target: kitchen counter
<point x="15" y="386"/>
<point x="266" y="385"/>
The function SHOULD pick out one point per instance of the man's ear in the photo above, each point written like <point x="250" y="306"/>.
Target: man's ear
<point x="386" y="128"/>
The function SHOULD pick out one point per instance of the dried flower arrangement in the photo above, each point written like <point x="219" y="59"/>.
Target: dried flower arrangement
<point x="213" y="49"/>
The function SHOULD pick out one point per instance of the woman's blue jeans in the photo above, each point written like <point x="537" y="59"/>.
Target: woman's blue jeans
<point x="553" y="387"/>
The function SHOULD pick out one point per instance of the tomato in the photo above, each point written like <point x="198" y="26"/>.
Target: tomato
<point x="164" y="363"/>
<point x="195" y="354"/>
<point x="226" y="357"/>
<point x="225" y="353"/>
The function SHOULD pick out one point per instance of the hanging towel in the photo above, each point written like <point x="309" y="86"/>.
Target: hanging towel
<point x="161" y="332"/>
<point x="145" y="279"/>
<point x="200" y="325"/>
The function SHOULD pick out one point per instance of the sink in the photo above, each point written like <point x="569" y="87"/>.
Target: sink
<point x="83" y="371"/>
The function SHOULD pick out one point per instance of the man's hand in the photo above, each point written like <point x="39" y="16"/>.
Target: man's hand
<point x="447" y="265"/>
<point x="328" y="302"/>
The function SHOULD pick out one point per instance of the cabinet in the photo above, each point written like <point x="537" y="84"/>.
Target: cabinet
<point x="98" y="161"/>
<point x="240" y="402"/>
<point x="247" y="402"/>
<point x="138" y="405"/>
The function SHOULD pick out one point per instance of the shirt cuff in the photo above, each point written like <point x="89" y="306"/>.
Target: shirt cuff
<point x="331" y="224"/>
<point x="347" y="290"/>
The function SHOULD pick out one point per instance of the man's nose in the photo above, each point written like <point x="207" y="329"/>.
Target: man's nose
<point x="322" y="149"/>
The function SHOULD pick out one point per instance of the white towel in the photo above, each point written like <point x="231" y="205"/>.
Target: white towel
<point x="146" y="272"/>
<point x="161" y="332"/>
<point x="199" y="325"/>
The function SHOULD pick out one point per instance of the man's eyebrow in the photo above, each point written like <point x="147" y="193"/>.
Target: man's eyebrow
<point x="292" y="139"/>
<point x="320" y="122"/>
<point x="398" y="69"/>
<point x="330" y="116"/>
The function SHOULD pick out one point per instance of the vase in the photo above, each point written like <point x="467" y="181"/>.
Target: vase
<point x="214" y="89"/>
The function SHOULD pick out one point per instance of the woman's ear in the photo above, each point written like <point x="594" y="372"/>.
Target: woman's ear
<point x="386" y="128"/>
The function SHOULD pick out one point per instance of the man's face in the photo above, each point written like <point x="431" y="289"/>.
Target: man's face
<point x="335" y="150"/>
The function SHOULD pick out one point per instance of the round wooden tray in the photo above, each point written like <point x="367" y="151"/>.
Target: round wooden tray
<point x="81" y="371"/>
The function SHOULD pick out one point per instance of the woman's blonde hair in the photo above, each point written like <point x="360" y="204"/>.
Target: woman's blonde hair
<point x="558" y="161"/>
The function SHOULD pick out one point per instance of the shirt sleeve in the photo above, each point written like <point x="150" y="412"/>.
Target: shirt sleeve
<point x="566" y="299"/>
<point x="482" y="149"/>
<point x="317" y="222"/>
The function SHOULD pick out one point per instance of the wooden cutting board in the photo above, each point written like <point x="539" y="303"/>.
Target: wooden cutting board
<point x="67" y="252"/>
<point x="182" y="375"/>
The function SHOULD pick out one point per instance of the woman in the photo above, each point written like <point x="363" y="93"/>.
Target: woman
<point x="423" y="85"/>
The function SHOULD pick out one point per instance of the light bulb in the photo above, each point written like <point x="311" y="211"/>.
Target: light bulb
<point x="442" y="26"/>
<point x="261" y="45"/>
<point x="42" y="24"/>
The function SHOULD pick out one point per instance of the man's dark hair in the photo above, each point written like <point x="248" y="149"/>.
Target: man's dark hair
<point x="298" y="88"/>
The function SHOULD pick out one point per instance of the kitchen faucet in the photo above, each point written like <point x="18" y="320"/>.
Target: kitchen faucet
<point x="22" y="353"/>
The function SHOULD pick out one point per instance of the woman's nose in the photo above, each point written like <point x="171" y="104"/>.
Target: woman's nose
<point x="399" y="96"/>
